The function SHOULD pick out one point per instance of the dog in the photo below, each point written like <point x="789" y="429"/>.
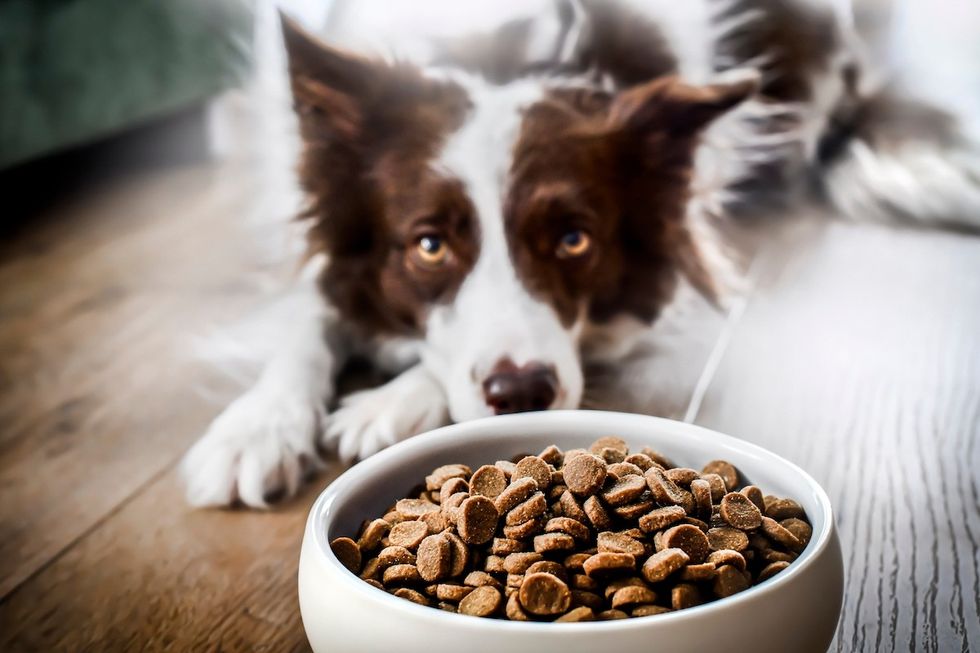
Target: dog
<point x="498" y="211"/>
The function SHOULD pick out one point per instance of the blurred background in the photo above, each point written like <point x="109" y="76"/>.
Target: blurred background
<point x="147" y="150"/>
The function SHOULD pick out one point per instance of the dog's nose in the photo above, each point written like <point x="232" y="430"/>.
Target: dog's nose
<point x="512" y="389"/>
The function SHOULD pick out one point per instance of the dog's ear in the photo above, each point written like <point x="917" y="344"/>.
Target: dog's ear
<point x="671" y="106"/>
<point x="330" y="87"/>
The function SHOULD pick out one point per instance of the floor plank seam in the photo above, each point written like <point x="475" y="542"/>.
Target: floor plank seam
<point x="88" y="531"/>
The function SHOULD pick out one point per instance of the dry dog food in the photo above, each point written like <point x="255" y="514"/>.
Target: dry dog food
<point x="577" y="536"/>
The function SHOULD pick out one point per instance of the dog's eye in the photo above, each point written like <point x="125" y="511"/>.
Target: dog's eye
<point x="431" y="250"/>
<point x="574" y="244"/>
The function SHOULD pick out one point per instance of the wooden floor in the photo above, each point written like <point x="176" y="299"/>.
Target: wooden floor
<point x="856" y="354"/>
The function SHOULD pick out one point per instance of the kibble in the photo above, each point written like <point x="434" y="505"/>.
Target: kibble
<point x="580" y="535"/>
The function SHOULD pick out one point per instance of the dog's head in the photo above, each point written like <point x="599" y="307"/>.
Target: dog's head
<point x="498" y="223"/>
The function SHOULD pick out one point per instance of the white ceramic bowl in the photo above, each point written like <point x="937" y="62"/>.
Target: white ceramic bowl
<point x="796" y="610"/>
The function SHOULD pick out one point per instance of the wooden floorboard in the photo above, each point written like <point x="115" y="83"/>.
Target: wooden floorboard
<point x="858" y="358"/>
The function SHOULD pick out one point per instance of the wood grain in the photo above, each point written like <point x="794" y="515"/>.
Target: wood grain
<point x="859" y="359"/>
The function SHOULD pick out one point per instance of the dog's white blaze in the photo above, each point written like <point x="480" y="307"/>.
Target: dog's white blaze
<point x="493" y="316"/>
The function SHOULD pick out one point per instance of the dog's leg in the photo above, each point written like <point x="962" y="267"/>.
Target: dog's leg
<point x="371" y="420"/>
<point x="264" y="443"/>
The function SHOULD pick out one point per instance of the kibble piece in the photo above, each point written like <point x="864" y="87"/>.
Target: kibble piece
<point x="581" y="613"/>
<point x="571" y="508"/>
<point x="533" y="467"/>
<point x="553" y="542"/>
<point x="393" y="517"/>
<point x="544" y="594"/>
<point x="451" y="487"/>
<point x="684" y="595"/>
<point x="513" y="610"/>
<point x="739" y="511"/>
<point x="632" y="511"/>
<point x="548" y="567"/>
<point x="506" y="466"/>
<point x="434" y="557"/>
<point x="727" y="557"/>
<point x="347" y="552"/>
<point x="483" y="601"/>
<point x="771" y="555"/>
<point x="374" y="583"/>
<point x="452" y="592"/>
<point x="611" y="615"/>
<point x="717" y="483"/>
<point x="373" y="532"/>
<point x="514" y="581"/>
<point x="609" y="542"/>
<point x="771" y="570"/>
<point x="626" y="489"/>
<point x="689" y="539"/>
<point x="619" y="470"/>
<point x="778" y="533"/>
<point x="415" y="508"/>
<point x="663" y="563"/>
<point x="681" y="475"/>
<point x="802" y="530"/>
<point x="575" y="561"/>
<point x="596" y="513"/>
<point x="459" y="554"/>
<point x="584" y="582"/>
<point x="525" y="529"/>
<point x="584" y="474"/>
<point x="728" y="581"/>
<point x="588" y="599"/>
<point x="552" y="455"/>
<point x="727" y="538"/>
<point x="648" y="610"/>
<point x="517" y="563"/>
<point x="641" y="460"/>
<point x="395" y="555"/>
<point x="665" y="490"/>
<point x="436" y="521"/>
<point x="515" y="493"/>
<point x="488" y="481"/>
<point x="701" y="491"/>
<point x="755" y="495"/>
<point x="408" y="534"/>
<point x="440" y="475"/>
<point x="698" y="573"/>
<point x="617" y="584"/>
<point x="661" y="518"/>
<point x="780" y="509"/>
<point x="410" y="595"/>
<point x="493" y="564"/>
<point x="371" y="569"/>
<point x="534" y="506"/>
<point x="725" y="470"/>
<point x="610" y="442"/>
<point x="503" y="546"/>
<point x="605" y="565"/>
<point x="478" y="578"/>
<point x="401" y="574"/>
<point x="570" y="526"/>
<point x="477" y="520"/>
<point x="632" y="595"/>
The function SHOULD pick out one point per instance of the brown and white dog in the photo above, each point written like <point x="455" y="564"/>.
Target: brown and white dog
<point x="508" y="208"/>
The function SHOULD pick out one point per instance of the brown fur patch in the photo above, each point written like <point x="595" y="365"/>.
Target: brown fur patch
<point x="618" y="168"/>
<point x="370" y="131"/>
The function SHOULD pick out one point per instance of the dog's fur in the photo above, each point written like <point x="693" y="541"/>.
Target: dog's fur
<point x="565" y="162"/>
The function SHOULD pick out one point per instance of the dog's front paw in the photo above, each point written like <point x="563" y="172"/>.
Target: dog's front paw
<point x="371" y="420"/>
<point x="262" y="445"/>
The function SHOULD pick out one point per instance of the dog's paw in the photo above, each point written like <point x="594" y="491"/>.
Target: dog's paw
<point x="370" y="420"/>
<point x="262" y="445"/>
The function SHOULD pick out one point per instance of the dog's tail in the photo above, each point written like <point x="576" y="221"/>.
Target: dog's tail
<point x="886" y="156"/>
<point x="872" y="151"/>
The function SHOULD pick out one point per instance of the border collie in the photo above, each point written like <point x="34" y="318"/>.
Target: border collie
<point x="496" y="212"/>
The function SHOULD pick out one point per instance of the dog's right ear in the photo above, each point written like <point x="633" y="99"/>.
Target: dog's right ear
<point x="331" y="88"/>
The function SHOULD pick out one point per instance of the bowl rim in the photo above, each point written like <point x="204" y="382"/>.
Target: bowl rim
<point x="321" y="508"/>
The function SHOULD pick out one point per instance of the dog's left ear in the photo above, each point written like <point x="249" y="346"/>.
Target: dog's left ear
<point x="668" y="105"/>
